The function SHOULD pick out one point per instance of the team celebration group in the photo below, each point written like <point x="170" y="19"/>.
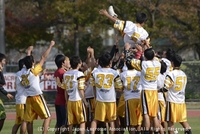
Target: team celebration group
<point x="135" y="90"/>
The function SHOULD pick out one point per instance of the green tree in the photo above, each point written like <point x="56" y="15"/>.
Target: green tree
<point x="82" y="21"/>
<point x="177" y="21"/>
<point x="25" y="24"/>
<point x="74" y="21"/>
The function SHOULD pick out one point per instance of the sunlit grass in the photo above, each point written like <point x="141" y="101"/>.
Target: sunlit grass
<point x="194" y="123"/>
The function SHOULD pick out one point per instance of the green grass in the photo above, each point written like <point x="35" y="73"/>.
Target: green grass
<point x="7" y="129"/>
<point x="194" y="123"/>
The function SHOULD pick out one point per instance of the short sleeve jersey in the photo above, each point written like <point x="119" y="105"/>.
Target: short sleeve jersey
<point x="131" y="79"/>
<point x="175" y="82"/>
<point x="105" y="80"/>
<point x="60" y="96"/>
<point x="74" y="81"/>
<point x="31" y="81"/>
<point x="132" y="33"/>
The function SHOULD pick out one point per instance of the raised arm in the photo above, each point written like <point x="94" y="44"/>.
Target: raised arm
<point x="29" y="50"/>
<point x="105" y="13"/>
<point x="90" y="59"/>
<point x="46" y="53"/>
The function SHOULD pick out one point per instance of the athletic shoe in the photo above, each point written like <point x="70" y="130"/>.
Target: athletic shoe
<point x="111" y="11"/>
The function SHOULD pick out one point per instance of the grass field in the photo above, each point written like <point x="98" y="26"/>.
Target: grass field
<point x="194" y="123"/>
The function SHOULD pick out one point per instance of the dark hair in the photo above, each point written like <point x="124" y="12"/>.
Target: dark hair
<point x="129" y="66"/>
<point x="141" y="18"/>
<point x="163" y="67"/>
<point x="177" y="60"/>
<point x="28" y="61"/>
<point x="2" y="56"/>
<point x="149" y="54"/>
<point x="170" y="54"/>
<point x="21" y="63"/>
<point x="59" y="60"/>
<point x="159" y="54"/>
<point x="105" y="59"/>
<point x="74" y="61"/>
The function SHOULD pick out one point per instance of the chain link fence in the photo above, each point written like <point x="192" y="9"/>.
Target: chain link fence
<point x="191" y="68"/>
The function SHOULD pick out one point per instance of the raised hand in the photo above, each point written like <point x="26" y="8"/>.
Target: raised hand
<point x="103" y="12"/>
<point x="9" y="96"/>
<point x="52" y="43"/>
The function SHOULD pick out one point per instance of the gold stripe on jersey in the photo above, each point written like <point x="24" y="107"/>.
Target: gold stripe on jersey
<point x="118" y="83"/>
<point x="119" y="25"/>
<point x="37" y="69"/>
<point x="92" y="82"/>
<point x="157" y="59"/>
<point x="170" y="68"/>
<point x="135" y="36"/>
<point x="136" y="64"/>
<point x="59" y="84"/>
<point x="87" y="74"/>
<point x="168" y="82"/>
<point x="25" y="82"/>
<point x="63" y="86"/>
<point x="81" y="83"/>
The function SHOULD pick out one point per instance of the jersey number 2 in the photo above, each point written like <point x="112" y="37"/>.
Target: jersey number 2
<point x="68" y="81"/>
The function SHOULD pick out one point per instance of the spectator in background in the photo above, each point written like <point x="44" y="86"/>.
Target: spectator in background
<point x="3" y="91"/>
<point x="63" y="64"/>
